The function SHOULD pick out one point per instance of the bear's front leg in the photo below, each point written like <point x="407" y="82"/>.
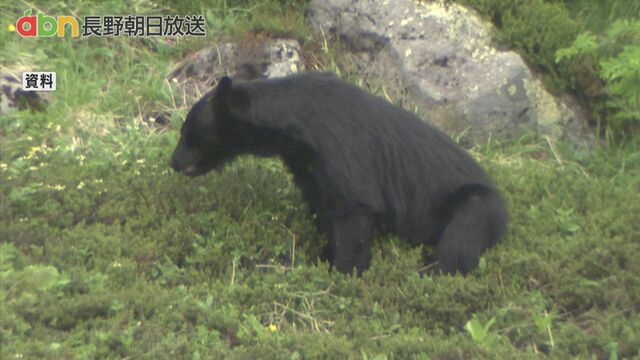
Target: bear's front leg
<point x="350" y="238"/>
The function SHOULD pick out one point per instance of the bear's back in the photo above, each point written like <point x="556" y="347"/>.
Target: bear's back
<point x="369" y="150"/>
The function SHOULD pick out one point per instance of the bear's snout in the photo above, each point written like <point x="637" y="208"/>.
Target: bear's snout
<point x="184" y="169"/>
<point x="173" y="163"/>
<point x="187" y="162"/>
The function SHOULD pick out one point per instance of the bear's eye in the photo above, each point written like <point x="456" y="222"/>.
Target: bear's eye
<point x="190" y="137"/>
<point x="197" y="136"/>
<point x="183" y="133"/>
<point x="189" y="132"/>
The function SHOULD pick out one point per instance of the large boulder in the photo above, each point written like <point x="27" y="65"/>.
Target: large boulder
<point x="438" y="58"/>
<point x="250" y="58"/>
<point x="13" y="98"/>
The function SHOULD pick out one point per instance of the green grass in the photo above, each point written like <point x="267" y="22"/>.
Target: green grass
<point x="105" y="253"/>
<point x="597" y="16"/>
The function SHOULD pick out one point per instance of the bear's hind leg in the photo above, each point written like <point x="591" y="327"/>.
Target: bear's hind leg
<point x="477" y="220"/>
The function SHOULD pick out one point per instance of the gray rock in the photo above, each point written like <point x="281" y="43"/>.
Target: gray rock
<point x="249" y="59"/>
<point x="438" y="58"/>
<point x="13" y="98"/>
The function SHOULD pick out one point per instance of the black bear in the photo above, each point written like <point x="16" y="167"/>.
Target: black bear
<point x="361" y="163"/>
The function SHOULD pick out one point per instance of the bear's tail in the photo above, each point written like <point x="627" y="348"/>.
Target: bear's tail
<point x="476" y="218"/>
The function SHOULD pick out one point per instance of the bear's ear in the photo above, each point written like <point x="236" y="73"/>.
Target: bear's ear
<point x="224" y="97"/>
<point x="224" y="88"/>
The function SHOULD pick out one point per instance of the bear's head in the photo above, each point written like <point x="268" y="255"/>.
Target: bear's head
<point x="204" y="143"/>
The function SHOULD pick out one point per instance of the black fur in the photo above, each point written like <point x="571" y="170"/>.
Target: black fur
<point x="360" y="162"/>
